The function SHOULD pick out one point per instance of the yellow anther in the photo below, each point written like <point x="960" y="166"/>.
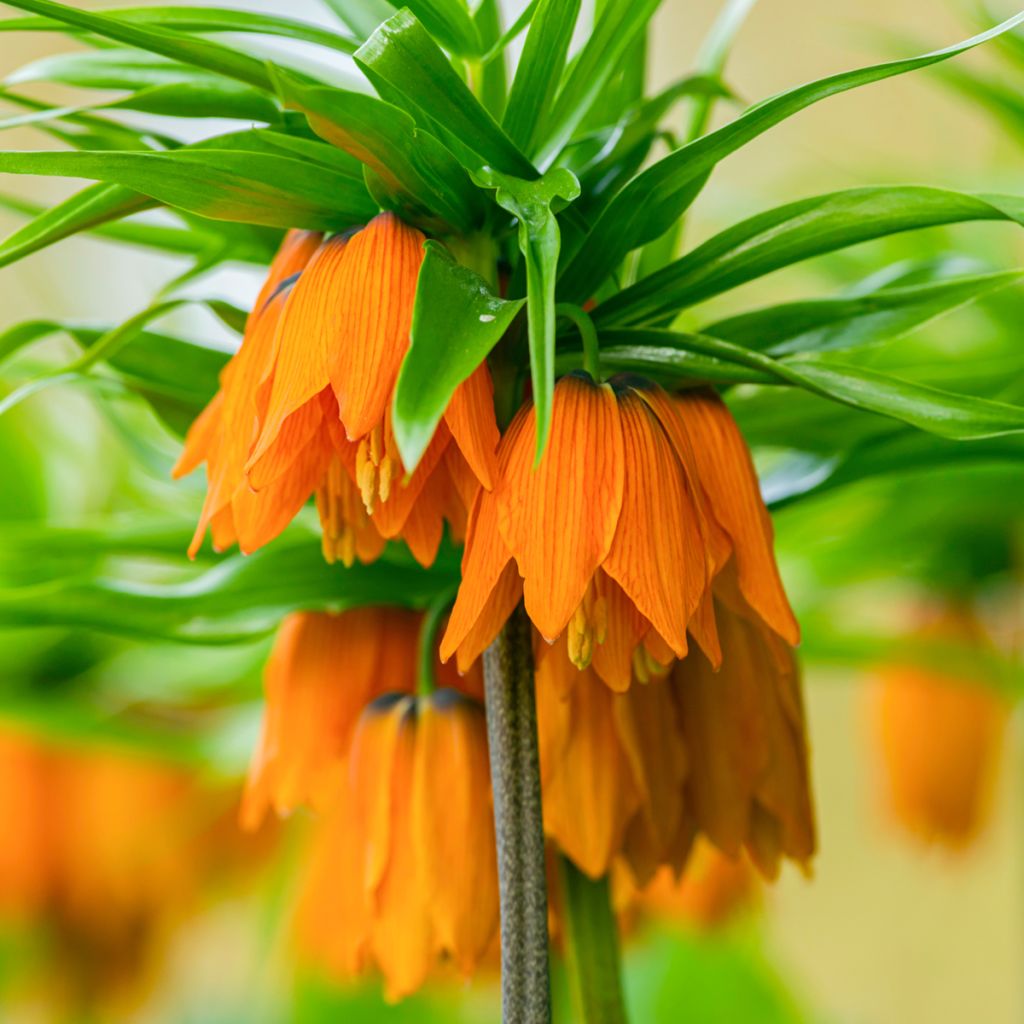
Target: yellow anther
<point x="387" y="475"/>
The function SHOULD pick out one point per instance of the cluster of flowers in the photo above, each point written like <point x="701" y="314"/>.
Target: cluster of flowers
<point x="668" y="698"/>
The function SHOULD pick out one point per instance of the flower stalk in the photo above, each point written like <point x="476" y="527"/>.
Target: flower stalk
<point x="592" y="947"/>
<point x="515" y="777"/>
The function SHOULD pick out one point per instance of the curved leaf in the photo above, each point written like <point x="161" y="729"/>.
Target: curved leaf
<point x="657" y="196"/>
<point x="792" y="233"/>
<point x="456" y="322"/>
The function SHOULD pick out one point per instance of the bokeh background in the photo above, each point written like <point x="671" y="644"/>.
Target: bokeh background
<point x="887" y="930"/>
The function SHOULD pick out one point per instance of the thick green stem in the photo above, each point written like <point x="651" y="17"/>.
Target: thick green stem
<point x="515" y="777"/>
<point x="592" y="948"/>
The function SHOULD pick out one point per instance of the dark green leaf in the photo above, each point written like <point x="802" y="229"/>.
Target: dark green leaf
<point x="961" y="417"/>
<point x="849" y="321"/>
<point x="456" y="322"/>
<point x="540" y="70"/>
<point x="619" y="26"/>
<point x="657" y="196"/>
<point x="402" y="56"/>
<point x="539" y="241"/>
<point x="242" y="597"/>
<point x="795" y="232"/>
<point x="255" y="188"/>
<point x="417" y="174"/>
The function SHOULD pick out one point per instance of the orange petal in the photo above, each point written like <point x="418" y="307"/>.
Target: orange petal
<point x="453" y="825"/>
<point x="484" y="565"/>
<point x="298" y="431"/>
<point x="310" y="330"/>
<point x="261" y="515"/>
<point x="402" y="938"/>
<point x="375" y="289"/>
<point x="470" y="418"/>
<point x="296" y="251"/>
<point x="201" y="438"/>
<point x="728" y="474"/>
<point x="657" y="555"/>
<point x="559" y="519"/>
<point x="613" y="657"/>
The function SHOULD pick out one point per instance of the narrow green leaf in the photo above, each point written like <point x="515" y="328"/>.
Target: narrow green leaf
<point x="488" y="72"/>
<point x="402" y="56"/>
<point x="84" y="211"/>
<point x="792" y="233"/>
<point x="448" y="21"/>
<point x="960" y="417"/>
<point x="657" y="196"/>
<point x="362" y="16"/>
<point x="419" y="177"/>
<point x="845" y="322"/>
<point x="456" y="322"/>
<point x="206" y="19"/>
<point x="620" y="24"/>
<point x="539" y="71"/>
<point x="255" y="188"/>
<point x="245" y="596"/>
<point x="539" y="241"/>
<point x="176" y="45"/>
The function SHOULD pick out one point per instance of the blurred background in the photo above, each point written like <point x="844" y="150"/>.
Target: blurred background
<point x="130" y="894"/>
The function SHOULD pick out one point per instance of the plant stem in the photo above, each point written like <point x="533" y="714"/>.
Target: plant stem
<point x="592" y="947"/>
<point x="515" y="777"/>
<point x="588" y="335"/>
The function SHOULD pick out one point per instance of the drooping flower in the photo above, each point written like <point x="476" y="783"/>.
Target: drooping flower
<point x="712" y="889"/>
<point x="940" y="736"/>
<point x="304" y="408"/>
<point x="638" y="775"/>
<point x="405" y="869"/>
<point x="638" y="504"/>
<point x="325" y="668"/>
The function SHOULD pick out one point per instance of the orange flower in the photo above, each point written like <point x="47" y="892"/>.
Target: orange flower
<point x="721" y="753"/>
<point x="304" y="408"/>
<point x="25" y="853"/>
<point x="940" y="738"/>
<point x="405" y="869"/>
<point x="323" y="671"/>
<point x="639" y="503"/>
<point x="712" y="889"/>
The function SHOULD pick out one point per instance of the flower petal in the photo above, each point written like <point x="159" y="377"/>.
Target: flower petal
<point x="374" y="294"/>
<point x="728" y="475"/>
<point x="559" y="518"/>
<point x="470" y="418"/>
<point x="310" y="330"/>
<point x="657" y="555"/>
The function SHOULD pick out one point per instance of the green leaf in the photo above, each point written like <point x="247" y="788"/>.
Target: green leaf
<point x="657" y="196"/>
<point x="177" y="46"/>
<point x="960" y="417"/>
<point x="456" y="322"/>
<point x="849" y="321"/>
<point x="243" y="597"/>
<point x="448" y="21"/>
<point x="488" y="72"/>
<point x="418" y="175"/>
<point x="255" y="188"/>
<point x="539" y="70"/>
<point x="207" y="19"/>
<point x="539" y="242"/>
<point x="84" y="211"/>
<point x="403" y="57"/>
<point x="791" y="233"/>
<point x="620" y="24"/>
<point x="362" y="16"/>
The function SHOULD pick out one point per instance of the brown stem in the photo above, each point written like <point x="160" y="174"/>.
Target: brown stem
<point x="515" y="777"/>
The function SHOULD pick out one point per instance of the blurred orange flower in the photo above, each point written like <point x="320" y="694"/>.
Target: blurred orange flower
<point x="940" y="736"/>
<point x="404" y="870"/>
